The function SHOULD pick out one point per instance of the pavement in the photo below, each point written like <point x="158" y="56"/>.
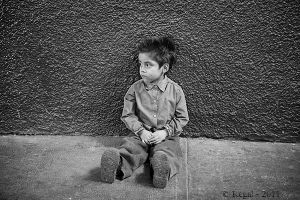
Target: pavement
<point x="67" y="168"/>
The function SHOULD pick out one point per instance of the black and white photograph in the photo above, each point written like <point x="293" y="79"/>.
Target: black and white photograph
<point x="149" y="100"/>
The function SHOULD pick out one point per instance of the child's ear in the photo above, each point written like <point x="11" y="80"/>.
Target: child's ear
<point x="166" y="67"/>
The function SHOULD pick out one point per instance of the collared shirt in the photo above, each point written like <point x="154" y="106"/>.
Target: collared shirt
<point x="155" y="107"/>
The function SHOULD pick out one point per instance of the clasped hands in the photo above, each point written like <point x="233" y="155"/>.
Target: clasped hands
<point x="153" y="138"/>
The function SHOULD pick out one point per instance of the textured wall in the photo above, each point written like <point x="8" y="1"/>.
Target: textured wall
<point x="66" y="65"/>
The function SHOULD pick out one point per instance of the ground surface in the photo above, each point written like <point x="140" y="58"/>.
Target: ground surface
<point x="67" y="167"/>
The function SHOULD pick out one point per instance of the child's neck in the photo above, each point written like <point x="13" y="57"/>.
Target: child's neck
<point x="155" y="82"/>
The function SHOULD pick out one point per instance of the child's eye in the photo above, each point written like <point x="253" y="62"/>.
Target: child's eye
<point x="146" y="65"/>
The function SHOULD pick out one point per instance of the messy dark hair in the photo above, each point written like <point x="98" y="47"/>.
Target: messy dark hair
<point x="163" y="50"/>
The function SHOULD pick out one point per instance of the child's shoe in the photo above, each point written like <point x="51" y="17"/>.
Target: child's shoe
<point x="110" y="165"/>
<point x="161" y="169"/>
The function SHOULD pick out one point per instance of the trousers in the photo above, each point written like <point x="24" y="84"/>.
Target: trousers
<point x="134" y="153"/>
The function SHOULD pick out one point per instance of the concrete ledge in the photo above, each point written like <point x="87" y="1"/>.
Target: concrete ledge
<point x="66" y="167"/>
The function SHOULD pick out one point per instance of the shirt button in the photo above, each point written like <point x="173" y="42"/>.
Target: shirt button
<point x="154" y="116"/>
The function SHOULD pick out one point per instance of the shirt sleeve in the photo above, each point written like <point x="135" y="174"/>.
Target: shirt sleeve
<point x="180" y="118"/>
<point x="128" y="115"/>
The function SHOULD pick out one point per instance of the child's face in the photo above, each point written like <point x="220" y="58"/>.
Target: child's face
<point x="149" y="68"/>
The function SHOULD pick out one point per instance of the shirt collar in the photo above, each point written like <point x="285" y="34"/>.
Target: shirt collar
<point x="161" y="84"/>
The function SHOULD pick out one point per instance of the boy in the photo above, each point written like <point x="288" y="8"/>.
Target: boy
<point x="155" y="111"/>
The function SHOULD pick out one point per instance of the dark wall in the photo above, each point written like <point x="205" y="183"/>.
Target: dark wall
<point x="66" y="65"/>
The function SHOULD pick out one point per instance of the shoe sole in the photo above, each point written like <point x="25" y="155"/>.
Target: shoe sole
<point x="161" y="170"/>
<point x="109" y="165"/>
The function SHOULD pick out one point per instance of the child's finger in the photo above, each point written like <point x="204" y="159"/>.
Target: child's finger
<point x="151" y="136"/>
<point x="147" y="140"/>
<point x="155" y="142"/>
<point x="152" y="139"/>
<point x="158" y="141"/>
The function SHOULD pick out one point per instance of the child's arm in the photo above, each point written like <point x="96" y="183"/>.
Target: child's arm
<point x="181" y="117"/>
<point x="128" y="115"/>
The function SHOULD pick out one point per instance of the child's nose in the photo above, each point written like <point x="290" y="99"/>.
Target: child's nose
<point x="142" y="69"/>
